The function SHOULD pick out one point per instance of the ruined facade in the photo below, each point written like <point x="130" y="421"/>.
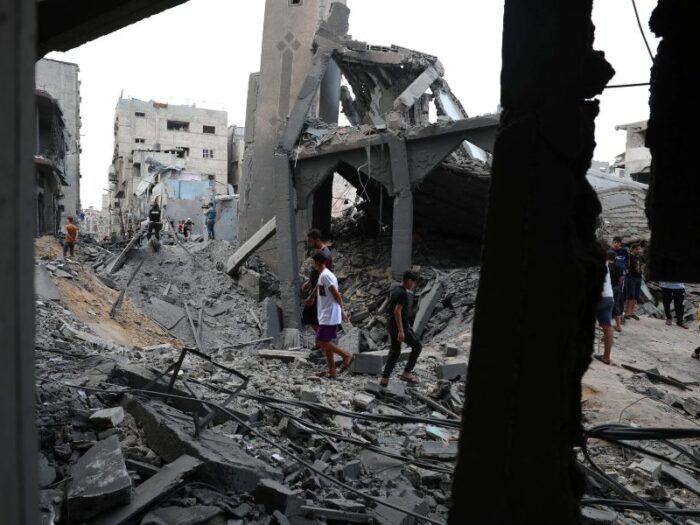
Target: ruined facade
<point x="60" y="80"/>
<point x="637" y="157"/>
<point x="50" y="164"/>
<point x="152" y="139"/>
<point x="236" y="152"/>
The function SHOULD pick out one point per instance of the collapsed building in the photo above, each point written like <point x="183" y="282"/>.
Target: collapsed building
<point x="50" y="164"/>
<point x="173" y="155"/>
<point x="410" y="172"/>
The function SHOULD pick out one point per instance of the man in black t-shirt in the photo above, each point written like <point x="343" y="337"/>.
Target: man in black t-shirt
<point x="154" y="224"/>
<point x="633" y="281"/>
<point x="400" y="331"/>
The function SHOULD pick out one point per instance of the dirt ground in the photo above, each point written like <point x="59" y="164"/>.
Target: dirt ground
<point x="91" y="301"/>
<point x="615" y="394"/>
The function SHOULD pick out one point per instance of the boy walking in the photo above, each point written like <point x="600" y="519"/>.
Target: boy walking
<point x="331" y="312"/>
<point x="400" y="331"/>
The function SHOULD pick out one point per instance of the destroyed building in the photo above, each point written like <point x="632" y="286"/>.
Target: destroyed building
<point x="50" y="164"/>
<point x="164" y="151"/>
<point x="236" y="152"/>
<point x="636" y="160"/>
<point x="60" y="80"/>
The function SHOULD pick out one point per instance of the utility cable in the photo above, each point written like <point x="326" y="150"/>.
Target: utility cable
<point x="274" y="444"/>
<point x="641" y="30"/>
<point x="638" y="84"/>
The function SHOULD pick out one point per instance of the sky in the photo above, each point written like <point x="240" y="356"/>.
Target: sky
<point x="202" y="53"/>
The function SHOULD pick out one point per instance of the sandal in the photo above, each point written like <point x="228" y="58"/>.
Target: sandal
<point x="384" y="382"/>
<point x="602" y="359"/>
<point x="327" y="374"/>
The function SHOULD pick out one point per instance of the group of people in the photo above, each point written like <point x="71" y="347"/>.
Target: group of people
<point x="324" y="310"/>
<point x="184" y="227"/>
<point x="622" y="286"/>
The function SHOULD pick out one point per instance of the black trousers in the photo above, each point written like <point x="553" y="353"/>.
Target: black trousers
<point x="154" y="227"/>
<point x="667" y="294"/>
<point x="68" y="246"/>
<point x="395" y="352"/>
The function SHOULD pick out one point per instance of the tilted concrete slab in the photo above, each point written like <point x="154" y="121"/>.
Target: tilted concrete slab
<point x="44" y="288"/>
<point x="426" y="306"/>
<point x="170" y="433"/>
<point x="239" y="258"/>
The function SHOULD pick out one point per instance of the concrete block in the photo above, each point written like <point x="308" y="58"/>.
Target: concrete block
<point x="44" y="288"/>
<point x="309" y="395"/>
<point x="170" y="433"/>
<point x="152" y="490"/>
<point x="362" y="401"/>
<point x="272" y="323"/>
<point x="99" y="481"/>
<point x="373" y="362"/>
<point x="452" y="370"/>
<point x="437" y="450"/>
<point x="239" y="258"/>
<point x="426" y="306"/>
<point x="275" y="496"/>
<point x="249" y="281"/>
<point x="108" y="418"/>
<point x="197" y="515"/>
<point x="352" y="469"/>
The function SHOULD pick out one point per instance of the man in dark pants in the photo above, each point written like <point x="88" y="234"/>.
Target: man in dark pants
<point x="210" y="215"/>
<point x="400" y="331"/>
<point x="674" y="292"/>
<point x="154" y="224"/>
<point x="633" y="281"/>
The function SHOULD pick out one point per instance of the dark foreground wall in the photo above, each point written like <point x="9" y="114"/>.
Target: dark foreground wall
<point x="673" y="204"/>
<point x="541" y="277"/>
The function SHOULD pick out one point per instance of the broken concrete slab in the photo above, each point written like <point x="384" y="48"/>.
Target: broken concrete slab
<point x="122" y="257"/>
<point x="239" y="258"/>
<point x="384" y="515"/>
<point x="598" y="516"/>
<point x="383" y="467"/>
<point x="275" y="496"/>
<point x="681" y="477"/>
<point x="272" y="322"/>
<point x="51" y="506"/>
<point x="286" y="356"/>
<point x="108" y="417"/>
<point x="44" y="288"/>
<point x="437" y="450"/>
<point x="170" y="433"/>
<point x="362" y="402"/>
<point x="164" y="313"/>
<point x="196" y="515"/>
<point x="249" y="281"/>
<point x="336" y="515"/>
<point x="47" y="474"/>
<point x="426" y="306"/>
<point x="151" y="490"/>
<point x="99" y="481"/>
<point x="351" y="340"/>
<point x="452" y="369"/>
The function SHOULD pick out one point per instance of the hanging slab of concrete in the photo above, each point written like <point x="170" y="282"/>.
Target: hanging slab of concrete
<point x="426" y="306"/>
<point x="99" y="481"/>
<point x="273" y="318"/>
<point x="44" y="288"/>
<point x="260" y="237"/>
<point x="170" y="432"/>
<point x="151" y="490"/>
<point x="122" y="257"/>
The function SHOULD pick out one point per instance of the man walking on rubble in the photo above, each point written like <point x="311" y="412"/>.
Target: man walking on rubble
<point x="633" y="281"/>
<point x="71" y="238"/>
<point x="400" y="331"/>
<point x="154" y="224"/>
<point x="331" y="312"/>
<point x="309" y="315"/>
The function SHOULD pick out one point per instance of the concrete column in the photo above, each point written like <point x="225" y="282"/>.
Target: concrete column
<point x="18" y="441"/>
<point x="402" y="231"/>
<point x="286" y="237"/>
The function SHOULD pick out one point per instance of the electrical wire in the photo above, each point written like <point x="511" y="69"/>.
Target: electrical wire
<point x="273" y="443"/>
<point x="641" y="30"/>
<point x="638" y="84"/>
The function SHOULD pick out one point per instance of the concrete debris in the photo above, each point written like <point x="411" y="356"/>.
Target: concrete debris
<point x="249" y="247"/>
<point x="108" y="417"/>
<point x="197" y="515"/>
<point x="276" y="497"/>
<point x="44" y="288"/>
<point x="99" y="481"/>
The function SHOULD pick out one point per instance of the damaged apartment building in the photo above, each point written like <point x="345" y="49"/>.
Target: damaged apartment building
<point x="410" y="172"/>
<point x="58" y="92"/>
<point x="173" y="155"/>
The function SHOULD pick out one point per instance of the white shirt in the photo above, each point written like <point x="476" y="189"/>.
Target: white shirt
<point x="607" y="285"/>
<point x="329" y="311"/>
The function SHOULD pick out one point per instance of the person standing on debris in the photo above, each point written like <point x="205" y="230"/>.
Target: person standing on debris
<point x="674" y="292"/>
<point x="309" y="314"/>
<point x="616" y="277"/>
<point x="331" y="312"/>
<point x="400" y="331"/>
<point x="633" y="281"/>
<point x="154" y="224"/>
<point x="622" y="258"/>
<point x="604" y="314"/>
<point x="187" y="228"/>
<point x="210" y="214"/>
<point x="71" y="238"/>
